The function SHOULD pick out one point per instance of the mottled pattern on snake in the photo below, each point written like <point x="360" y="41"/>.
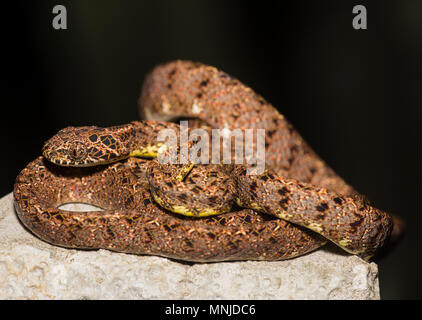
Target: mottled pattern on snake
<point x="356" y="227"/>
<point x="189" y="89"/>
<point x="350" y="222"/>
<point x="133" y="223"/>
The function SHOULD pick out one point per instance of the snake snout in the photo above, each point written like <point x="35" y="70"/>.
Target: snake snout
<point x="55" y="152"/>
<point x="53" y="155"/>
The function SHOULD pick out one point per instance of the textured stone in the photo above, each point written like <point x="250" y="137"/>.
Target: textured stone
<point x="33" y="269"/>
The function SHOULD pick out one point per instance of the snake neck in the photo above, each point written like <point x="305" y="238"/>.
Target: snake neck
<point x="148" y="137"/>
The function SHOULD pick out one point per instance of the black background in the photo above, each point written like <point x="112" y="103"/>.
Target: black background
<point x="355" y="95"/>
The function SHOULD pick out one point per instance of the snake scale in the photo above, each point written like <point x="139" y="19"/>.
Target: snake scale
<point x="291" y="209"/>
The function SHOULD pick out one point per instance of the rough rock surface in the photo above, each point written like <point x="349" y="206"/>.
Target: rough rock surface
<point x="33" y="269"/>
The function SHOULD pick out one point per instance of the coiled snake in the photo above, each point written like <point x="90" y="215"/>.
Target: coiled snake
<point x="306" y="201"/>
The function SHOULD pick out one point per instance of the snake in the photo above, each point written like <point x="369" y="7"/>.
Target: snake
<point x="308" y="203"/>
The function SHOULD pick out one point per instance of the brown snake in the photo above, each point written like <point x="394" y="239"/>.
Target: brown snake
<point x="299" y="187"/>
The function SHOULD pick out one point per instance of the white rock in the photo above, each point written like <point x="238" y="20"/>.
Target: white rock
<point x="33" y="269"/>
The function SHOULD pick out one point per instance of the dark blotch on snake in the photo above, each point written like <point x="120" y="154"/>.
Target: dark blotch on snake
<point x="197" y="189"/>
<point x="356" y="223"/>
<point x="322" y="207"/>
<point x="338" y="200"/>
<point x="189" y="243"/>
<point x="283" y="191"/>
<point x="283" y="203"/>
<point x="264" y="177"/>
<point x="183" y="196"/>
<point x="98" y="154"/>
<point x="253" y="186"/>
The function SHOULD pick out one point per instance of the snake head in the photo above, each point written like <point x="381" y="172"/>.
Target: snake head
<point x="89" y="146"/>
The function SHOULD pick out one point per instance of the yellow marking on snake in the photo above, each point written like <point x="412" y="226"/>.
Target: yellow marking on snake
<point x="317" y="227"/>
<point x="150" y="151"/>
<point x="204" y="213"/>
<point x="251" y="205"/>
<point x="186" y="211"/>
<point x="344" y="242"/>
<point x="283" y="215"/>
<point x="184" y="172"/>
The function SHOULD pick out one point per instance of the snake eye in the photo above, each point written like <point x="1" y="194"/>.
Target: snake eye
<point x="77" y="151"/>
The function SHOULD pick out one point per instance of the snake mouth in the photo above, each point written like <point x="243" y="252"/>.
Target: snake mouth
<point x="59" y="160"/>
<point x="61" y="163"/>
<point x="55" y="156"/>
<point x="67" y="163"/>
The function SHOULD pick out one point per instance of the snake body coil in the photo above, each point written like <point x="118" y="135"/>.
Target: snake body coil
<point x="298" y="187"/>
<point x="133" y="223"/>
